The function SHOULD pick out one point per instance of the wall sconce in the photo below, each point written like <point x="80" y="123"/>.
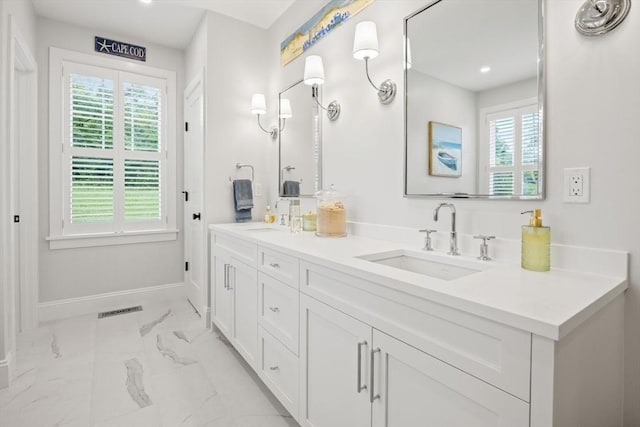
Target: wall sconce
<point x="285" y="112"/>
<point x="365" y="47"/>
<point x="314" y="77"/>
<point x="259" y="107"/>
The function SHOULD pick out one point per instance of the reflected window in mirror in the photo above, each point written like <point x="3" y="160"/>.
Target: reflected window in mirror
<point x="300" y="161"/>
<point x="474" y="93"/>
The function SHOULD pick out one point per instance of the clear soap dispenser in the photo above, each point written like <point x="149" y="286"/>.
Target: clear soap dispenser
<point x="536" y="243"/>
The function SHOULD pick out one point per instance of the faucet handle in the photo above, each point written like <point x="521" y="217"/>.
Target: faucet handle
<point x="484" y="246"/>
<point x="427" y="239"/>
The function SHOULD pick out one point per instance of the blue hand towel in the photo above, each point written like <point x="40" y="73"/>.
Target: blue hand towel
<point x="291" y="189"/>
<point x="242" y="199"/>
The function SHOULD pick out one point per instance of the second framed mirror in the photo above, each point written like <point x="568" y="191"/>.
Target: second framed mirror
<point x="300" y="136"/>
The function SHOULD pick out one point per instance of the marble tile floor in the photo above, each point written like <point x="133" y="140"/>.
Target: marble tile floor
<point x="155" y="368"/>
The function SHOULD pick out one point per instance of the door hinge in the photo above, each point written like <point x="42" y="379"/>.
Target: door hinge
<point x="186" y="126"/>
<point x="16" y="218"/>
<point x="186" y="266"/>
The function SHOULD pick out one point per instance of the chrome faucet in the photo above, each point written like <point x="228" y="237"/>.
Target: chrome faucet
<point x="453" y="247"/>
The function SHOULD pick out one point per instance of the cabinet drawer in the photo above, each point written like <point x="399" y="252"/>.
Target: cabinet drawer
<point x="493" y="352"/>
<point x="279" y="371"/>
<point x="245" y="251"/>
<point x="278" y="265"/>
<point x="279" y="310"/>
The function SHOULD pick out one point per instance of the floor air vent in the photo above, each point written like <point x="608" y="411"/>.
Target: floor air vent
<point x="118" y="312"/>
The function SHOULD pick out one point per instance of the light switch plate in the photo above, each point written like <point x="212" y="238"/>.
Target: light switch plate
<point x="257" y="189"/>
<point x="577" y="185"/>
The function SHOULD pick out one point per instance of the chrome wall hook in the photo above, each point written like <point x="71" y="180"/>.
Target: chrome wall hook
<point x="597" y="17"/>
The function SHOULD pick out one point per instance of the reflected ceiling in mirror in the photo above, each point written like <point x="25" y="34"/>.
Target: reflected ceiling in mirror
<point x="474" y="100"/>
<point x="300" y="170"/>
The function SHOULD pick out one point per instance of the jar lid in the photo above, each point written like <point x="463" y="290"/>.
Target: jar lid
<point x="331" y="193"/>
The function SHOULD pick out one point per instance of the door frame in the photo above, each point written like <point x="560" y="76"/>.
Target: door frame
<point x="24" y="142"/>
<point x="198" y="84"/>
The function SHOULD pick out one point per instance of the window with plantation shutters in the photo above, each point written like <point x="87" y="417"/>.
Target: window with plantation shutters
<point x="513" y="152"/>
<point x="114" y="173"/>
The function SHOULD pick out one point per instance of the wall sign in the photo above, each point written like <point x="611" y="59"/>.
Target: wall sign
<point x="322" y="23"/>
<point x="125" y="50"/>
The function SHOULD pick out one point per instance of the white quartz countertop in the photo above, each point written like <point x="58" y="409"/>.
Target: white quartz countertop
<point x="550" y="304"/>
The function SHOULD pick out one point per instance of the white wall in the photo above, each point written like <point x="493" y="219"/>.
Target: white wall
<point x="24" y="18"/>
<point x="508" y="93"/>
<point x="592" y="109"/>
<point x="435" y="100"/>
<point x="71" y="273"/>
<point x="235" y="69"/>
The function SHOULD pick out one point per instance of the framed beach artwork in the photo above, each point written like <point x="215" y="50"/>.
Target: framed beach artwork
<point x="445" y="150"/>
<point x="332" y="15"/>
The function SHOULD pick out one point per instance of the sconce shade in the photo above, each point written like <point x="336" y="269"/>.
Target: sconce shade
<point x="365" y="42"/>
<point x="285" y="109"/>
<point x="313" y="70"/>
<point x="258" y="104"/>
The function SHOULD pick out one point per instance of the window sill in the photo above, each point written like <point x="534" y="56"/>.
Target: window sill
<point x="109" y="239"/>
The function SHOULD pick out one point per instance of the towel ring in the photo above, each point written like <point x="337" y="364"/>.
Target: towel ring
<point x="240" y="166"/>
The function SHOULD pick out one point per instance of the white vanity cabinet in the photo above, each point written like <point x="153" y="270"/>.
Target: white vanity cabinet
<point x="235" y="302"/>
<point x="357" y="376"/>
<point x="341" y="347"/>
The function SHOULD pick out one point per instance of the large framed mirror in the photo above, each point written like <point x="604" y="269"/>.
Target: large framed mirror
<point x="474" y="100"/>
<point x="300" y="166"/>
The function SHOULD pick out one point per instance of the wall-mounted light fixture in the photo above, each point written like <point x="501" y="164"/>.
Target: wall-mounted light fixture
<point x="259" y="107"/>
<point x="597" y="17"/>
<point x="314" y="77"/>
<point x="285" y="112"/>
<point x="365" y="47"/>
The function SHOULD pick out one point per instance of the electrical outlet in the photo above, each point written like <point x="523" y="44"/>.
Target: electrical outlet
<point x="577" y="185"/>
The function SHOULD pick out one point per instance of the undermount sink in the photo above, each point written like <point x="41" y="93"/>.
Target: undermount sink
<point x="417" y="262"/>
<point x="261" y="229"/>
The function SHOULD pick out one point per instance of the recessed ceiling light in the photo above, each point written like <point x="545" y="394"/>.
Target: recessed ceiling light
<point x="485" y="69"/>
<point x="146" y="1"/>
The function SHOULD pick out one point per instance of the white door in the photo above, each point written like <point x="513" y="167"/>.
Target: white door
<point x="413" y="389"/>
<point x="222" y="293"/>
<point x="334" y="351"/>
<point x="244" y="281"/>
<point x="194" y="219"/>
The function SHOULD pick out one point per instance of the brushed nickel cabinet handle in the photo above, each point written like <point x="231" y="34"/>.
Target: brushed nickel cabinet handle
<point x="360" y="386"/>
<point x="275" y="265"/>
<point x="274" y="309"/>
<point x="372" y="395"/>
<point x="274" y="368"/>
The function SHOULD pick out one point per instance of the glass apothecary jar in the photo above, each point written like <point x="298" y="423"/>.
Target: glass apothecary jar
<point x="331" y="215"/>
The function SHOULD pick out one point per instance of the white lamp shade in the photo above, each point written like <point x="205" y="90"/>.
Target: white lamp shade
<point x="285" y="109"/>
<point x="313" y="70"/>
<point x="258" y="104"/>
<point x="365" y="43"/>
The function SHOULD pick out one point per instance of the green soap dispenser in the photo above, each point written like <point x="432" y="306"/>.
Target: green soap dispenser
<point x="536" y="243"/>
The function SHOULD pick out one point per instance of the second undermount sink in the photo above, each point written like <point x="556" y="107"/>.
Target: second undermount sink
<point x="420" y="263"/>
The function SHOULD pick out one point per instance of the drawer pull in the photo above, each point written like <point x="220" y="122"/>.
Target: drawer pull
<point x="274" y="309"/>
<point x="360" y="385"/>
<point x="372" y="395"/>
<point x="274" y="368"/>
<point x="274" y="265"/>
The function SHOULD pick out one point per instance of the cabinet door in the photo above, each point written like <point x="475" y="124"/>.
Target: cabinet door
<point x="244" y="281"/>
<point x="333" y="375"/>
<point x="222" y="294"/>
<point x="413" y="389"/>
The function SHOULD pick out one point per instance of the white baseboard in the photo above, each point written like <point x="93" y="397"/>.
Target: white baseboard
<point x="61" y="309"/>
<point x="5" y="371"/>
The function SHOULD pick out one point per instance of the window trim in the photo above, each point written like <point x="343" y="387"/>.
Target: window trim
<point x="57" y="238"/>
<point x="483" y="148"/>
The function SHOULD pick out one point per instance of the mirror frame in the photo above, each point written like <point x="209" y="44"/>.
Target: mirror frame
<point x="319" y="165"/>
<point x="541" y="118"/>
